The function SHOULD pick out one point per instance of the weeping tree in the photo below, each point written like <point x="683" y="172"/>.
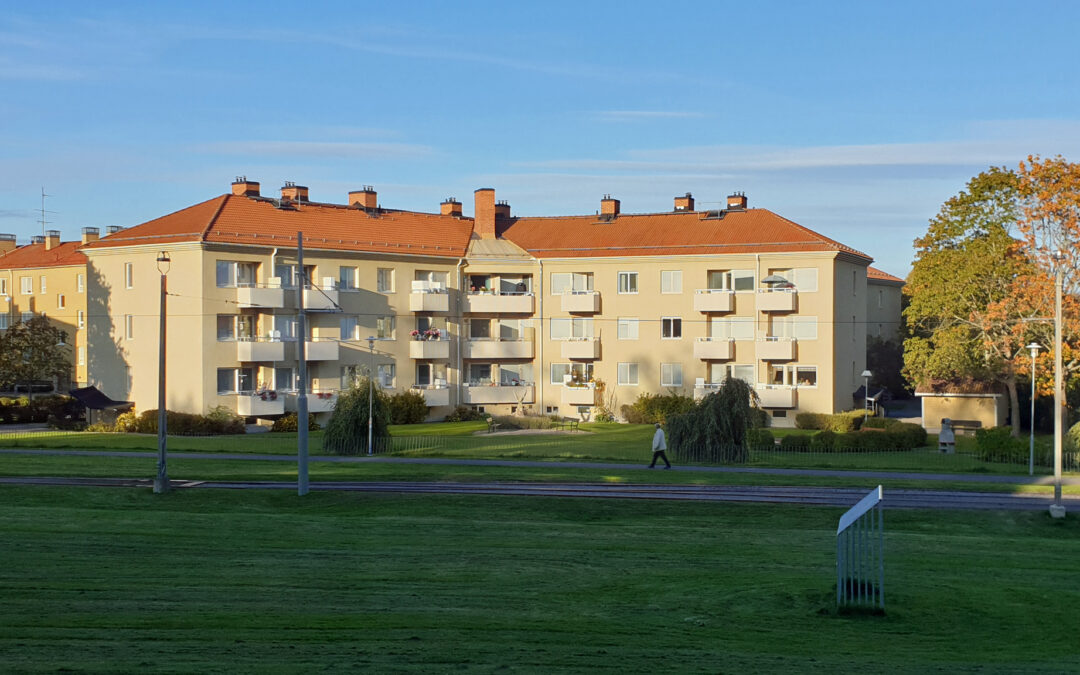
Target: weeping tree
<point x="715" y="429"/>
<point x="347" y="431"/>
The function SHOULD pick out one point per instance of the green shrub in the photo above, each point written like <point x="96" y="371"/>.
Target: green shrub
<point x="880" y="423"/>
<point x="127" y="422"/>
<point x="347" y="430"/>
<point x="844" y="422"/>
<point x="1072" y="439"/>
<point x="525" y="421"/>
<point x="823" y="441"/>
<point x="101" y="427"/>
<point x="219" y="421"/>
<point x="996" y="444"/>
<point x="290" y="423"/>
<point x="653" y="408"/>
<point x="849" y="442"/>
<point x="222" y="420"/>
<point x="408" y="407"/>
<point x="464" y="413"/>
<point x="913" y="434"/>
<point x="760" y="439"/>
<point x="759" y="419"/>
<point x="809" y="420"/>
<point x="796" y="442"/>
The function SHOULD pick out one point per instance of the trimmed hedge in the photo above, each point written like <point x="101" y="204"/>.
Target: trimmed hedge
<point x="843" y="422"/>
<point x="653" y="408"/>
<point x="464" y="413"/>
<point x="23" y="410"/>
<point x="760" y="439"/>
<point x="219" y="421"/>
<point x="291" y="422"/>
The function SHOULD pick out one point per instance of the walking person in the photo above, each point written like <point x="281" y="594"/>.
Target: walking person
<point x="659" y="445"/>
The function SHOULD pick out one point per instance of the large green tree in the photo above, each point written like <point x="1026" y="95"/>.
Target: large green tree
<point x="347" y="431"/>
<point x="967" y="316"/>
<point x="33" y="351"/>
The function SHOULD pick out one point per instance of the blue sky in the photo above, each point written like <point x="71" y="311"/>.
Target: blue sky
<point x="854" y="119"/>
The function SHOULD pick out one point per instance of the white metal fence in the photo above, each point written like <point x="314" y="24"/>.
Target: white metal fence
<point x="860" y="554"/>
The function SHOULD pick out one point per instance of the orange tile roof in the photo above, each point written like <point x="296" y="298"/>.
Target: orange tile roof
<point x="257" y="221"/>
<point x="967" y="387"/>
<point x="675" y="233"/>
<point x="35" y="255"/>
<point x="878" y="275"/>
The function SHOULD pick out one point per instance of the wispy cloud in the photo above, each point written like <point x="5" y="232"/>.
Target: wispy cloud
<point x="319" y="149"/>
<point x="16" y="214"/>
<point x="637" y="115"/>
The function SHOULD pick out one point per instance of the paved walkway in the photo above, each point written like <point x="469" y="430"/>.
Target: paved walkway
<point x="820" y="473"/>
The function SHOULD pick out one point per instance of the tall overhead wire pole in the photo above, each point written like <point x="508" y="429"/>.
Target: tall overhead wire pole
<point x="301" y="397"/>
<point x="161" y="481"/>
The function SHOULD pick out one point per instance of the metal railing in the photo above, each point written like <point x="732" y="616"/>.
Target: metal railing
<point x="860" y="554"/>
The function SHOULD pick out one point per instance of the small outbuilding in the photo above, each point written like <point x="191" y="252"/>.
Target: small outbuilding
<point x="99" y="407"/>
<point x="969" y="404"/>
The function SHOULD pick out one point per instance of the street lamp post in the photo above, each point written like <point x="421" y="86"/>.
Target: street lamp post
<point x="1034" y="348"/>
<point x="1057" y="509"/>
<point x="161" y="481"/>
<point x="866" y="394"/>
<point x="371" y="392"/>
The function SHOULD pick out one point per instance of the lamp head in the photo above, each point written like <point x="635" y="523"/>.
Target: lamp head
<point x="371" y="342"/>
<point x="867" y="373"/>
<point x="1034" y="348"/>
<point x="163" y="262"/>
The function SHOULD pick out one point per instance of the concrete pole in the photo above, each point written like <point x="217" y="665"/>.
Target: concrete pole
<point x="1031" y="442"/>
<point x="301" y="396"/>
<point x="1057" y="510"/>
<point x="371" y="394"/>
<point x="161" y="481"/>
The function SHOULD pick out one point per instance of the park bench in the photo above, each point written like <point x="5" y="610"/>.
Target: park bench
<point x="493" y="426"/>
<point x="566" y="424"/>
<point x="966" y="427"/>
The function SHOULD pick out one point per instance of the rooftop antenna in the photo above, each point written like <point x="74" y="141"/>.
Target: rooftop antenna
<point x="44" y="223"/>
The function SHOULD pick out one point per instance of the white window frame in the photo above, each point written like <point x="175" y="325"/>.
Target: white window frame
<point x="669" y="370"/>
<point x="80" y="282"/>
<point x="561" y="366"/>
<point x="664" y="324"/>
<point x="628" y="375"/>
<point x="799" y="367"/>
<point x="61" y="301"/>
<point x="380" y="285"/>
<point x="354" y="282"/>
<point x="44" y="284"/>
<point x="628" y="328"/>
<point x="26" y="316"/>
<point x="3" y="286"/>
<point x="129" y="275"/>
<point x="354" y="321"/>
<point x="631" y="280"/>
<point x="393" y="327"/>
<point x="670" y="282"/>
<point x="578" y="328"/>
<point x="4" y="321"/>
<point x="82" y="355"/>
<point x="386" y="375"/>
<point x="129" y="326"/>
<point x="80" y="318"/>
<point x="724" y="328"/>
<point x="26" y="285"/>
<point x="800" y="328"/>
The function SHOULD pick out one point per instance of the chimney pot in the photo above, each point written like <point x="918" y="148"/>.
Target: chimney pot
<point x="293" y="192"/>
<point x="684" y="203"/>
<point x="609" y="206"/>
<point x="736" y="201"/>
<point x="113" y="229"/>
<point x="450" y="207"/>
<point x="242" y="187"/>
<point x="502" y="209"/>
<point x="366" y="198"/>
<point x="52" y="239"/>
<point x="484" y="213"/>
<point x="37" y="239"/>
<point x="90" y="234"/>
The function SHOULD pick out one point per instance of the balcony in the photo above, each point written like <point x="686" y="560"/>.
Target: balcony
<point x="321" y="350"/>
<point x="776" y="299"/>
<point x="487" y="395"/>
<point x="572" y="395"/>
<point x="429" y="301"/>
<point x="317" y="401"/>
<point x="434" y="396"/>
<point x="429" y="349"/>
<point x="777" y="396"/>
<point x="581" y="349"/>
<point x="581" y="302"/>
<point x="260" y="349"/>
<point x="322" y="298"/>
<point x="714" y="300"/>
<point x="703" y="388"/>
<point x="776" y="349"/>
<point x="714" y="349"/>
<point x="504" y="303"/>
<point x="263" y="404"/>
<point x="497" y="349"/>
<point x="270" y="296"/>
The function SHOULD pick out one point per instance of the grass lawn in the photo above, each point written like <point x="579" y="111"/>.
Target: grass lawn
<point x="120" y="580"/>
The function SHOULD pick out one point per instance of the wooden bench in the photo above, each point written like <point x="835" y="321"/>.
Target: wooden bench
<point x="567" y="424"/>
<point x="966" y="427"/>
<point x="493" y="426"/>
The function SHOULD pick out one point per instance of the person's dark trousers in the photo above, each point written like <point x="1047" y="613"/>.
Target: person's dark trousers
<point x="662" y="455"/>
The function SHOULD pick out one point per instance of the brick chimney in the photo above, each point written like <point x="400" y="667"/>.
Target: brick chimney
<point x="90" y="234"/>
<point x="52" y="239"/>
<point x="293" y="192"/>
<point x="7" y="243"/>
<point x="684" y="203"/>
<point x="502" y="209"/>
<point x="243" y="187"/>
<point x="609" y="206"/>
<point x="451" y="207"/>
<point x="737" y="201"/>
<point x="365" y="198"/>
<point x="37" y="239"/>
<point x="484" y="213"/>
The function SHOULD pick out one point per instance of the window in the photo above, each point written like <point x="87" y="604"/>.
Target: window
<point x="514" y="374"/>
<point x="435" y="281"/>
<point x="567" y="329"/>
<point x="880" y="298"/>
<point x="559" y="371"/>
<point x="853" y="331"/>
<point x="80" y="318"/>
<point x="479" y="374"/>
<point x="285" y="326"/>
<point x="805" y="279"/>
<point x="732" y="327"/>
<point x="61" y="302"/>
<point x="806" y="376"/>
<point x="792" y="375"/>
<point x="854" y="282"/>
<point x="798" y="327"/>
<point x="26" y="316"/>
<point x="565" y="282"/>
<point x="628" y="282"/>
<point x="671" y="328"/>
<point x="628" y="374"/>
<point x="235" y="327"/>
<point x="718" y="372"/>
<point x="285" y="272"/>
<point x="129" y="275"/>
<point x="671" y="374"/>
<point x="234" y="380"/>
<point x="423" y="375"/>
<point x="350" y="328"/>
<point x="3" y="287"/>
<point x="384" y="328"/>
<point x="731" y="280"/>
<point x="479" y="329"/>
<point x="3" y="321"/>
<point x="480" y="282"/>
<point x="26" y="285"/>
<point x="515" y="285"/>
<point x="384" y="374"/>
<point x="671" y="281"/>
<point x="43" y="284"/>
<point x="80" y="282"/>
<point x="82" y="356"/>
<point x="510" y="329"/>
<point x="285" y="379"/>
<point x="384" y="280"/>
<point x="129" y="327"/>
<point x="628" y="328"/>
<point x="347" y="279"/>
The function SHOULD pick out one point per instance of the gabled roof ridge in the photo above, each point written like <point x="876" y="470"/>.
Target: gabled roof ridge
<point x="381" y="210"/>
<point x="217" y="212"/>
<point x="843" y="247"/>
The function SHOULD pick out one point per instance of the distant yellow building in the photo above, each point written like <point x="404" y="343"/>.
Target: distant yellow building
<point x="496" y="311"/>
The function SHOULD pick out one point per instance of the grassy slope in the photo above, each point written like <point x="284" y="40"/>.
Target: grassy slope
<point x="107" y="580"/>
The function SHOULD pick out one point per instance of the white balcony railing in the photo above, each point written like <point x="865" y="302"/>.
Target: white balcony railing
<point x="268" y="296"/>
<point x="776" y="349"/>
<point x="714" y="349"/>
<point x="494" y="394"/>
<point x="581" y="349"/>
<point x="434" y="396"/>
<point x="578" y="395"/>
<point x="497" y="349"/>
<point x="260" y="349"/>
<point x="703" y="389"/>
<point x="503" y="303"/>
<point x="714" y="300"/>
<point x="777" y="396"/>
<point x="581" y="302"/>
<point x="429" y="349"/>
<point x="777" y="299"/>
<point x="260" y="404"/>
<point x="429" y="301"/>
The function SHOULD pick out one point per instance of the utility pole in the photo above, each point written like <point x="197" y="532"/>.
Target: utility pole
<point x="1057" y="509"/>
<point x="161" y="481"/>
<point x="301" y="397"/>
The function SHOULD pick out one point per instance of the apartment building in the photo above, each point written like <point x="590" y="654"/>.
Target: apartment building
<point x="884" y="304"/>
<point x="48" y="277"/>
<point x="494" y="311"/>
